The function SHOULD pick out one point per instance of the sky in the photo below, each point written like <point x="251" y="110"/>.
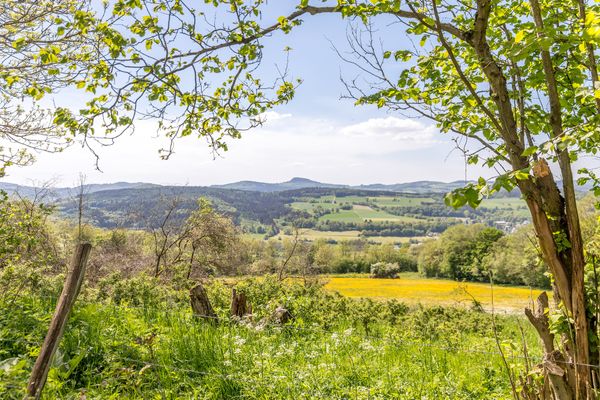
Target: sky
<point x="317" y="135"/>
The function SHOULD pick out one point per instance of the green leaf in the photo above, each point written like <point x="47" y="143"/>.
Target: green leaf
<point x="529" y="151"/>
<point x="519" y="36"/>
<point x="19" y="43"/>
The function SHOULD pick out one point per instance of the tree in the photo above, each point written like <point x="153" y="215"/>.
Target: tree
<point x="167" y="230"/>
<point x="515" y="259"/>
<point x="24" y="233"/>
<point x="208" y="236"/>
<point x="459" y="253"/>
<point x="204" y="238"/>
<point x="43" y="48"/>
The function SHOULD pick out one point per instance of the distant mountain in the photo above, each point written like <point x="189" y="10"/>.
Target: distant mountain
<point x="292" y="184"/>
<point x="64" y="192"/>
<point x="418" y="187"/>
<point x="139" y="205"/>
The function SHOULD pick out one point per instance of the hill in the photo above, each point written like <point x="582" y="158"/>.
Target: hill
<point x="416" y="187"/>
<point x="64" y="192"/>
<point x="383" y="213"/>
<point x="303" y="183"/>
<point x="294" y="183"/>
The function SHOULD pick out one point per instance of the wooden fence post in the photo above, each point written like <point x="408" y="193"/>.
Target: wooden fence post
<point x="201" y="304"/>
<point x="59" y="320"/>
<point x="240" y="308"/>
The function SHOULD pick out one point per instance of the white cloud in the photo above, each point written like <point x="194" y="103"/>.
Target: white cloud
<point x="270" y="116"/>
<point x="386" y="149"/>
<point x="410" y="133"/>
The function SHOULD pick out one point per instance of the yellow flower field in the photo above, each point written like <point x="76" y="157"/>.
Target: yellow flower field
<point x="414" y="290"/>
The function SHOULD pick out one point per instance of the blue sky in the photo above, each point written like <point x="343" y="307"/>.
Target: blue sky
<point x="317" y="136"/>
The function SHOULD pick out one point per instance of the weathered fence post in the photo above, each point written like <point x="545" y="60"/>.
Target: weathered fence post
<point x="240" y="308"/>
<point x="59" y="320"/>
<point x="201" y="304"/>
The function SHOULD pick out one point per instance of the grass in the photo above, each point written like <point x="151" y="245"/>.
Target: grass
<point x="361" y="213"/>
<point x="327" y="202"/>
<point x="312" y="235"/>
<point x="385" y="201"/>
<point x="416" y="290"/>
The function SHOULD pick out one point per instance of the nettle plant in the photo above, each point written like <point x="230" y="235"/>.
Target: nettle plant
<point x="516" y="84"/>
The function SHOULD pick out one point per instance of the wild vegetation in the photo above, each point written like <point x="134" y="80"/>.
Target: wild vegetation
<point x="137" y="338"/>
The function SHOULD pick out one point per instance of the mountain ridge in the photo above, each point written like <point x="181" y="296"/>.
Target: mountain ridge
<point x="247" y="185"/>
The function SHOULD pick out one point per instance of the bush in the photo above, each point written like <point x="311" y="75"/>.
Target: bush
<point x="385" y="270"/>
<point x="347" y="265"/>
<point x="407" y="263"/>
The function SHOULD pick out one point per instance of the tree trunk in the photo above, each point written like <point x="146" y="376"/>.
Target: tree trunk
<point x="189" y="273"/>
<point x="555" y="220"/>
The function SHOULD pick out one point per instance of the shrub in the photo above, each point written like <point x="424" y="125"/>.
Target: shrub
<point x="385" y="270"/>
<point x="347" y="265"/>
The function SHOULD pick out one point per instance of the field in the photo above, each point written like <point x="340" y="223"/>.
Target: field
<point x="391" y="218"/>
<point x="380" y="201"/>
<point x="362" y="213"/>
<point x="312" y="235"/>
<point x="516" y="206"/>
<point x="390" y="209"/>
<point x="413" y="290"/>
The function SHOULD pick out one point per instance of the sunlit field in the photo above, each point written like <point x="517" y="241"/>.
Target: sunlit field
<point x="515" y="205"/>
<point x="312" y="235"/>
<point x="412" y="289"/>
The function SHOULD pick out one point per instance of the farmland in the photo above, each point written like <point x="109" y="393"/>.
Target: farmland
<point x="412" y="289"/>
<point x="399" y="216"/>
<point x="312" y="235"/>
<point x="372" y="213"/>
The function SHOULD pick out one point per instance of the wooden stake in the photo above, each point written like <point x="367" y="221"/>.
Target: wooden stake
<point x="240" y="308"/>
<point x="59" y="321"/>
<point x="201" y="304"/>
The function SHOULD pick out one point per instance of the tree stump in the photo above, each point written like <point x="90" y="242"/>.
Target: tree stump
<point x="240" y="308"/>
<point x="554" y="364"/>
<point x="201" y="304"/>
